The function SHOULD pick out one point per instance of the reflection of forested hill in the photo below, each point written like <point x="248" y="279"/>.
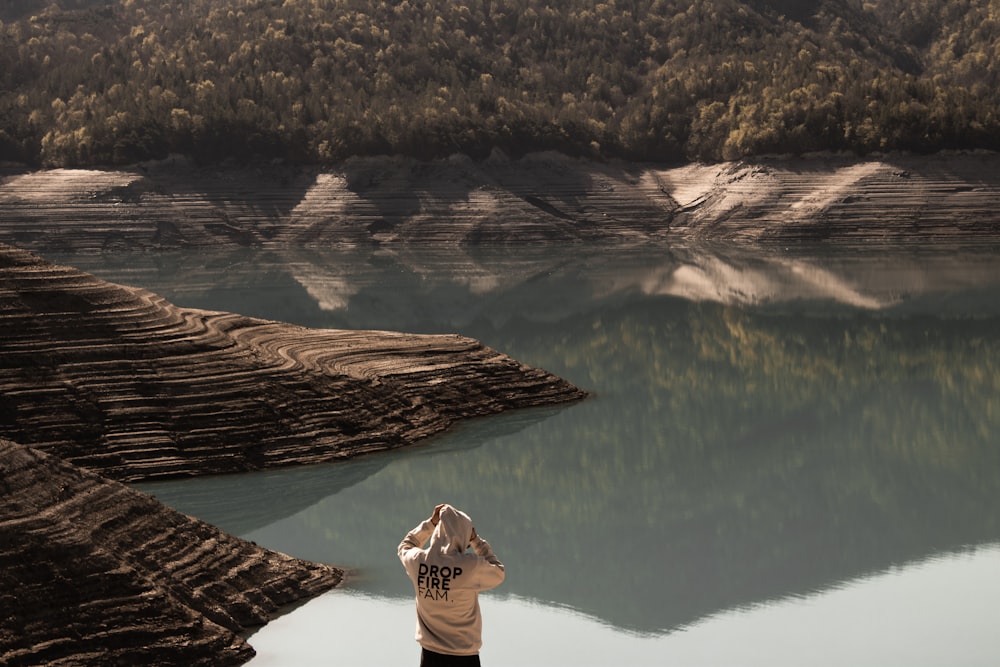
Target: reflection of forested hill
<point x="735" y="449"/>
<point x="97" y="83"/>
<point x="728" y="458"/>
<point x="788" y="453"/>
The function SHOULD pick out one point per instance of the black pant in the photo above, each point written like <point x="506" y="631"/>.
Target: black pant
<point x="432" y="659"/>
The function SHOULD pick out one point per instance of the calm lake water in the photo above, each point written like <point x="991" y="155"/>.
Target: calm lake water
<point x="790" y="457"/>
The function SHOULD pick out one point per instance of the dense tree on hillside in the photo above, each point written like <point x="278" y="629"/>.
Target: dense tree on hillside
<point x="103" y="82"/>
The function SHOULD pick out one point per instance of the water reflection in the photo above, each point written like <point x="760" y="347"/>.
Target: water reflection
<point x="936" y="612"/>
<point x="420" y="289"/>
<point x="763" y="426"/>
<point x="244" y="504"/>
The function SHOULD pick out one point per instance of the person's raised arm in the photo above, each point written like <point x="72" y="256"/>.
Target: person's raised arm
<point x="416" y="538"/>
<point x="436" y="514"/>
<point x="494" y="574"/>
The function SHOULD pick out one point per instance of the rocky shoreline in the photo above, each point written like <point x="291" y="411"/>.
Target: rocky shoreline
<point x="534" y="199"/>
<point x="95" y="573"/>
<point x="101" y="382"/>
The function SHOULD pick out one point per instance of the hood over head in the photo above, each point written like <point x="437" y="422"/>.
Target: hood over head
<point x="452" y="532"/>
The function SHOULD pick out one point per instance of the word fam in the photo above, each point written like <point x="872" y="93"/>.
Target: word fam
<point x="434" y="582"/>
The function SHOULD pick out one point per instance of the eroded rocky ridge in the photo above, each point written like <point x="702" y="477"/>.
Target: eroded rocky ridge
<point x="537" y="198"/>
<point x="95" y="573"/>
<point x="103" y="381"/>
<point x="119" y="380"/>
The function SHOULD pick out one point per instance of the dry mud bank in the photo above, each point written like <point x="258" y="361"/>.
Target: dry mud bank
<point x="537" y="198"/>
<point x="100" y="382"/>
<point x="95" y="573"/>
<point x="121" y="381"/>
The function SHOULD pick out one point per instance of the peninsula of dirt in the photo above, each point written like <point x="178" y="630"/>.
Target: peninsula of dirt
<point x="118" y="380"/>
<point x="101" y="382"/>
<point x="542" y="197"/>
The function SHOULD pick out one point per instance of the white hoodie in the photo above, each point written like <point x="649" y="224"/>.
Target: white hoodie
<point x="447" y="581"/>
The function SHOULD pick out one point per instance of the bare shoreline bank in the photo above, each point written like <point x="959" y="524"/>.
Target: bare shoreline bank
<point x="544" y="197"/>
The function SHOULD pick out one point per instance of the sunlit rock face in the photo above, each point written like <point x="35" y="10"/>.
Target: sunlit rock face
<point x="836" y="198"/>
<point x="393" y="202"/>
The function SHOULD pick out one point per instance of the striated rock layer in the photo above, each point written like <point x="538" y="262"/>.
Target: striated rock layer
<point x="538" y="198"/>
<point x="97" y="377"/>
<point x="896" y="198"/>
<point x="118" y="380"/>
<point x="95" y="573"/>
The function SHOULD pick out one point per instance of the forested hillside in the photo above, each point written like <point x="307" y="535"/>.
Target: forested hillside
<point x="98" y="82"/>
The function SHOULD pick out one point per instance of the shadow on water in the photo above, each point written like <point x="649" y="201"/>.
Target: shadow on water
<point x="763" y="425"/>
<point x="244" y="503"/>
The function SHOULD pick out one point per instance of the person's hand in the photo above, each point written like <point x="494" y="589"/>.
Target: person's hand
<point x="436" y="516"/>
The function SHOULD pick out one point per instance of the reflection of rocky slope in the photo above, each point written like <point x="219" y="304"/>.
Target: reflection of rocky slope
<point x="119" y="380"/>
<point x="430" y="290"/>
<point x="544" y="197"/>
<point x="92" y="572"/>
<point x="717" y="280"/>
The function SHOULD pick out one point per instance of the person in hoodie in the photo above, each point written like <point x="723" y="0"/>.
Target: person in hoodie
<point x="447" y="579"/>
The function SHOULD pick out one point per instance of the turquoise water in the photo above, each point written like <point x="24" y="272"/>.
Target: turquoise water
<point x="789" y="457"/>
